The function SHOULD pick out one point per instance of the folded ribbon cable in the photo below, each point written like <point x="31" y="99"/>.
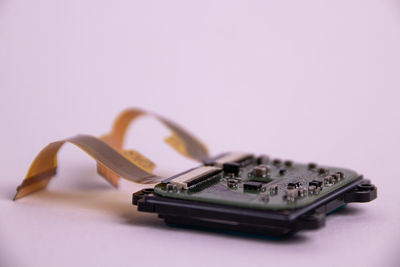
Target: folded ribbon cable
<point x="113" y="162"/>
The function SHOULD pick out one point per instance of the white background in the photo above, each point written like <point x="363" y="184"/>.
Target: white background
<point x="305" y="80"/>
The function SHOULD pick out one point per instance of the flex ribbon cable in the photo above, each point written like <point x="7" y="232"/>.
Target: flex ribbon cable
<point x="112" y="161"/>
<point x="181" y="140"/>
<point x="44" y="165"/>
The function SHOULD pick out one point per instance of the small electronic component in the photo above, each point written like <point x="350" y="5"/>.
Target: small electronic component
<point x="233" y="191"/>
<point x="192" y="177"/>
<point x="231" y="167"/>
<point x="252" y="186"/>
<point x="261" y="171"/>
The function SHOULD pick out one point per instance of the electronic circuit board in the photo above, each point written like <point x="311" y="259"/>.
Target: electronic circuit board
<point x="238" y="191"/>
<point x="233" y="191"/>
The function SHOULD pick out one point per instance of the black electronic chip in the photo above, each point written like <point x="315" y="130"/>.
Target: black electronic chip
<point x="252" y="186"/>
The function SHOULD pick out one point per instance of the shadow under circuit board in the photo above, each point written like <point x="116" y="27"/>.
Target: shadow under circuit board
<point x="237" y="191"/>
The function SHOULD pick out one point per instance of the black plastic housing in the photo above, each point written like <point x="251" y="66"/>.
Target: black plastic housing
<point x="268" y="222"/>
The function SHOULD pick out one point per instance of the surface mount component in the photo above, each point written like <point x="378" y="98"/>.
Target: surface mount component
<point x="240" y="192"/>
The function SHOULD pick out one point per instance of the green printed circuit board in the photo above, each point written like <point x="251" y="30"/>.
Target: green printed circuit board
<point x="262" y="185"/>
<point x="243" y="192"/>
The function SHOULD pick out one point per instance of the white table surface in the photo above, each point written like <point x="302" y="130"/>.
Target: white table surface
<point x="304" y="80"/>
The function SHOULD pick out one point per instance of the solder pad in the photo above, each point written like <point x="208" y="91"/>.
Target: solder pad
<point x="275" y="193"/>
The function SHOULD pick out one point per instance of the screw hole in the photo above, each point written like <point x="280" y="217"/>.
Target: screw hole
<point x="147" y="190"/>
<point x="365" y="187"/>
